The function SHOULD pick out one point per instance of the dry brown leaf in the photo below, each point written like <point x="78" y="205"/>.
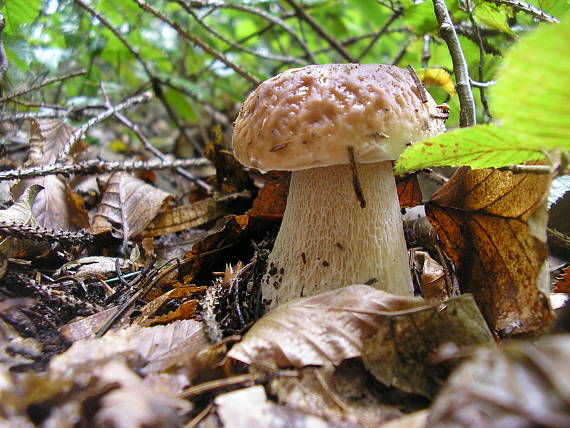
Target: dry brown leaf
<point x="525" y="385"/>
<point x="322" y="329"/>
<point x="271" y="200"/>
<point x="88" y="327"/>
<point x="184" y="310"/>
<point x="346" y="392"/>
<point x="57" y="207"/>
<point x="249" y="407"/>
<point x="161" y="347"/>
<point x="132" y="402"/>
<point x="432" y="277"/>
<point x="127" y="206"/>
<point x="184" y="217"/>
<point x="404" y="351"/>
<point x="492" y="224"/>
<point x="409" y="191"/>
<point x="413" y="420"/>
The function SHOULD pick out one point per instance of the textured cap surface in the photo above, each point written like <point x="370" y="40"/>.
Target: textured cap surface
<point x="306" y="117"/>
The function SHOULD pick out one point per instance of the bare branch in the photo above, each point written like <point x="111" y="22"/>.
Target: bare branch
<point x="96" y="166"/>
<point x="267" y="56"/>
<point x="207" y="48"/>
<point x="259" y="12"/>
<point x="80" y="132"/>
<point x="523" y="6"/>
<point x="467" y="114"/>
<point x="380" y="33"/>
<point x="41" y="85"/>
<point x="321" y="31"/>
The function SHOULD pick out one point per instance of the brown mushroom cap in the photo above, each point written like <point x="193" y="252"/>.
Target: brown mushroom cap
<point x="306" y="117"/>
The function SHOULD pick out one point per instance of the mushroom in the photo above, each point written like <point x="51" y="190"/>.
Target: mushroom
<point x="333" y="126"/>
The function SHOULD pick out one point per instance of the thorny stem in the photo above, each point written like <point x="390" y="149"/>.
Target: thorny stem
<point x="522" y="6"/>
<point x="96" y="166"/>
<point x="80" y="132"/>
<point x="467" y="113"/>
<point x="41" y="85"/>
<point x="321" y="31"/>
<point x="207" y="48"/>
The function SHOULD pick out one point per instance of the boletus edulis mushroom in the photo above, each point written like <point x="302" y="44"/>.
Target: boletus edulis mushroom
<point x="337" y="127"/>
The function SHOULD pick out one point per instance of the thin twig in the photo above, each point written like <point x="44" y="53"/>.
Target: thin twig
<point x="261" y="13"/>
<point x="41" y="85"/>
<point x="402" y="51"/>
<point x="96" y="166"/>
<point x="157" y="90"/>
<point x="477" y="84"/>
<point x="481" y="64"/>
<point x="426" y="53"/>
<point x="80" y="132"/>
<point x="321" y="31"/>
<point x="380" y="33"/>
<point x="204" y="46"/>
<point x="147" y="144"/>
<point x="522" y="6"/>
<point x="267" y="56"/>
<point x="467" y="113"/>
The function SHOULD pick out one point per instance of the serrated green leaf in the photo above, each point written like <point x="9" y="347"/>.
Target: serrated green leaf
<point x="482" y="146"/>
<point x="494" y="16"/>
<point x="18" y="12"/>
<point x="533" y="87"/>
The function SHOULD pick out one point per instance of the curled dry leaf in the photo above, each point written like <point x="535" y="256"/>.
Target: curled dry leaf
<point x="405" y="350"/>
<point x="525" y="385"/>
<point x="318" y="330"/>
<point x="492" y="224"/>
<point x="127" y="207"/>
<point x="184" y="310"/>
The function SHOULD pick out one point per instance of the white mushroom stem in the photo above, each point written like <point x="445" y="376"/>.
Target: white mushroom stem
<point x="327" y="240"/>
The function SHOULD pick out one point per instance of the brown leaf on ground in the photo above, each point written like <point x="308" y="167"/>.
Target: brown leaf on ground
<point x="405" y="350"/>
<point x="48" y="137"/>
<point x="127" y="206"/>
<point x="131" y="402"/>
<point x="271" y="200"/>
<point x="186" y="296"/>
<point x="160" y="347"/>
<point x="324" y="329"/>
<point x="250" y="407"/>
<point x="184" y="217"/>
<point x="492" y="225"/>
<point x="409" y="191"/>
<point x="524" y="385"/>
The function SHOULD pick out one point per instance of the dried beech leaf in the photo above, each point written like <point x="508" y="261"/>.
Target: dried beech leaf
<point x="524" y="386"/>
<point x="317" y="330"/>
<point x="402" y="352"/>
<point x="88" y="327"/>
<point x="21" y="211"/>
<point x="409" y="191"/>
<point x="185" y="310"/>
<point x="271" y="200"/>
<point x="432" y="277"/>
<point x="492" y="225"/>
<point x="48" y="137"/>
<point x="249" y="407"/>
<point x="184" y="218"/>
<point x="161" y="347"/>
<point x="132" y="402"/>
<point x="128" y="206"/>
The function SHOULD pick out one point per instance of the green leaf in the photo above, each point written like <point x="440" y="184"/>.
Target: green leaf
<point x="533" y="89"/>
<point x="494" y="16"/>
<point x="482" y="146"/>
<point x="18" y="12"/>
